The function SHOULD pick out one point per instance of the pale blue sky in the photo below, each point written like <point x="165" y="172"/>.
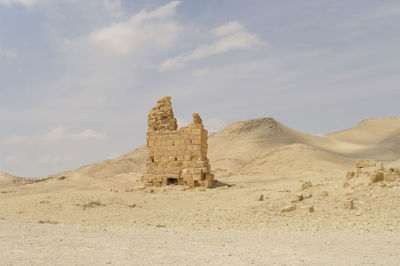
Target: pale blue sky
<point x="77" y="78"/>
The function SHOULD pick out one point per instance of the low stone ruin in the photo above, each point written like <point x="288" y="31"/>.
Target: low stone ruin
<point x="176" y="157"/>
<point x="373" y="171"/>
<point x="28" y="180"/>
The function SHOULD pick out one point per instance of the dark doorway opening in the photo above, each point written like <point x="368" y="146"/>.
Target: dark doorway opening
<point x="172" y="181"/>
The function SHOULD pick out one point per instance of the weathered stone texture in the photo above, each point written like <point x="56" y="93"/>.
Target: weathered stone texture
<point x="374" y="171"/>
<point x="176" y="156"/>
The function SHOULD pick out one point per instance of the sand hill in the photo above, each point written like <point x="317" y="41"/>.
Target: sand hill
<point x="266" y="147"/>
<point x="6" y="178"/>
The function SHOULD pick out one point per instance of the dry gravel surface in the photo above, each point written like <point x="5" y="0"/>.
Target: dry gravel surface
<point x="49" y="244"/>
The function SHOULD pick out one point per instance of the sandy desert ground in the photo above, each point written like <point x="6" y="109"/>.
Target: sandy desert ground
<point x="281" y="199"/>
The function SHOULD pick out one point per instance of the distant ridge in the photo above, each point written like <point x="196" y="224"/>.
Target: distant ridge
<point x="7" y="178"/>
<point x="266" y="147"/>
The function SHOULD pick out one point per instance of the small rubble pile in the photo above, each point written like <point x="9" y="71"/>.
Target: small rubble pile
<point x="370" y="171"/>
<point x="300" y="197"/>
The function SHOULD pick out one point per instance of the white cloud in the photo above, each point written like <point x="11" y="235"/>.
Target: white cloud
<point x="228" y="28"/>
<point x="233" y="36"/>
<point x="8" y="54"/>
<point x="56" y="134"/>
<point x="199" y="72"/>
<point x="144" y="29"/>
<point x="26" y="3"/>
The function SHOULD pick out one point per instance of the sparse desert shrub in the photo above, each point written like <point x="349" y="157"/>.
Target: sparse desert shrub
<point x="47" y="222"/>
<point x="92" y="204"/>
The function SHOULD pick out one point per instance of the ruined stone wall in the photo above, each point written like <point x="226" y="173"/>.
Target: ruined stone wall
<point x="176" y="156"/>
<point x="372" y="171"/>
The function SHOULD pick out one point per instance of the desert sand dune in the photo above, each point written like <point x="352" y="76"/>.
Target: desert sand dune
<point x="132" y="162"/>
<point x="253" y="141"/>
<point x="370" y="131"/>
<point x="265" y="146"/>
<point x="6" y="178"/>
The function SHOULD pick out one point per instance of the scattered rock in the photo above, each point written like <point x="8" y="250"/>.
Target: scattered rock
<point x="348" y="205"/>
<point x="92" y="204"/>
<point x="299" y="197"/>
<point x="261" y="197"/>
<point x="289" y="208"/>
<point x="149" y="190"/>
<point x="132" y="205"/>
<point x="324" y="194"/>
<point x="307" y="196"/>
<point x="306" y="185"/>
<point x="350" y="175"/>
<point x="140" y="187"/>
<point x="307" y="208"/>
<point x="160" y="225"/>
<point x="47" y="222"/>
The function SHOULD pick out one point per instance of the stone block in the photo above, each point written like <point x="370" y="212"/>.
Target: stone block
<point x="376" y="177"/>
<point x="289" y="208"/>
<point x="196" y="177"/>
<point x="366" y="163"/>
<point x="350" y="175"/>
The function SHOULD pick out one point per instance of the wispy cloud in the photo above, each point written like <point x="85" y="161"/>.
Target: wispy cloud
<point x="231" y="36"/>
<point x="26" y="3"/>
<point x="56" y="134"/>
<point x="8" y="54"/>
<point x="228" y="28"/>
<point x="154" y="29"/>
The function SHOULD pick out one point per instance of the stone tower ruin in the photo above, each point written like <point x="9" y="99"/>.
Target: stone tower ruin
<point x="176" y="157"/>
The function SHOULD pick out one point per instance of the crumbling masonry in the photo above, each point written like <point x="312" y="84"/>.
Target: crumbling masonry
<point x="176" y="157"/>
